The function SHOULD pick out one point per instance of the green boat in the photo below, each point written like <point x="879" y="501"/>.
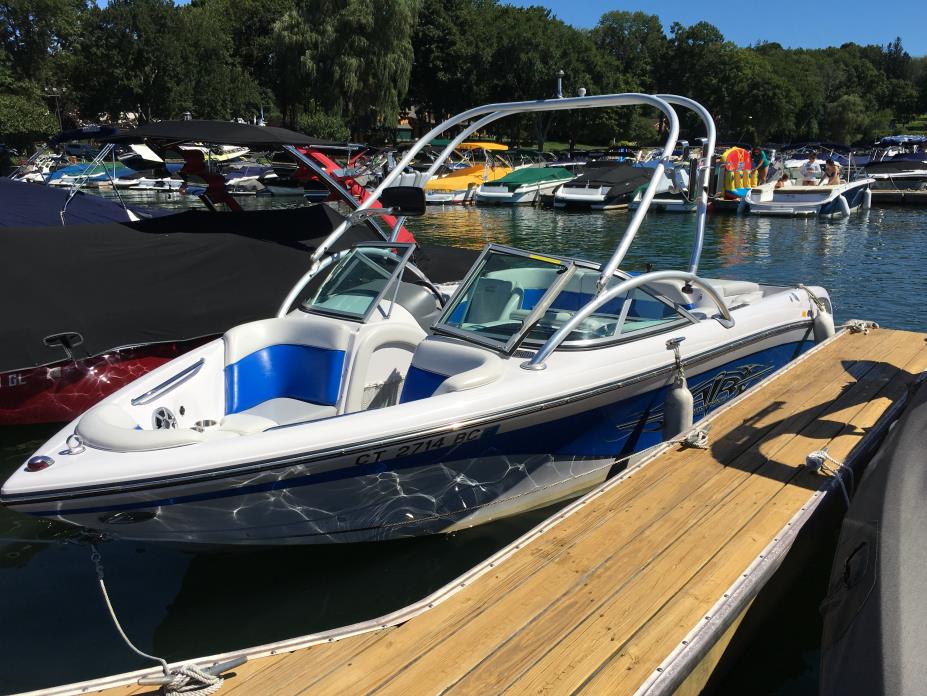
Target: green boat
<point x="523" y="186"/>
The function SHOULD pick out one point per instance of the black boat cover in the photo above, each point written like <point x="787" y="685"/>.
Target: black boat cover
<point x="32" y="205"/>
<point x="620" y="176"/>
<point x="216" y="132"/>
<point x="174" y="278"/>
<point x="875" y="613"/>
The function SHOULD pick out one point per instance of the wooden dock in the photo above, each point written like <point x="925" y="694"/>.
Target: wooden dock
<point x="898" y="197"/>
<point x="637" y="587"/>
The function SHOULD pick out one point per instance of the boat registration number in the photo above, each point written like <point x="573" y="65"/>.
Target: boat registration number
<point x="420" y="446"/>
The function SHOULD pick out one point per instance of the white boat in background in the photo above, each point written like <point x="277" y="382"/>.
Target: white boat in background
<point x="384" y="406"/>
<point x="523" y="186"/>
<point x="793" y="200"/>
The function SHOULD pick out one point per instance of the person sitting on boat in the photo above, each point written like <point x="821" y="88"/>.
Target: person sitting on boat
<point x="760" y="164"/>
<point x="810" y="170"/>
<point x="782" y="182"/>
<point x="831" y="173"/>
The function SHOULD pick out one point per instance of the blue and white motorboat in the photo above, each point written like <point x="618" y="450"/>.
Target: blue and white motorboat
<point x="789" y="197"/>
<point x="379" y="405"/>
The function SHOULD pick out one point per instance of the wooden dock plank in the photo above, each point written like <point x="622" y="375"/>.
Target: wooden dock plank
<point x="688" y="506"/>
<point x="663" y="631"/>
<point x="578" y="633"/>
<point x="597" y="602"/>
<point x="640" y="511"/>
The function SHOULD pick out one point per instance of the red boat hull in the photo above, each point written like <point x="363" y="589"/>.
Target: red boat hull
<point x="62" y="391"/>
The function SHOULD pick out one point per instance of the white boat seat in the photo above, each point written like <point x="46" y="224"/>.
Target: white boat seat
<point x="273" y="412"/>
<point x="441" y="366"/>
<point x="291" y="358"/>
<point x="729" y="288"/>
<point x="109" y="427"/>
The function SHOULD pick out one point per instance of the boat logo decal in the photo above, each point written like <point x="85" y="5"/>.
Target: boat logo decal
<point x="708" y="394"/>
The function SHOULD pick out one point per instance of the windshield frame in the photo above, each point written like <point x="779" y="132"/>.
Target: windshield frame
<point x="571" y="265"/>
<point x="392" y="282"/>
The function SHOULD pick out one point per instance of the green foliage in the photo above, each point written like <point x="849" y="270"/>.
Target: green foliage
<point x="354" y="57"/>
<point x="354" y="67"/>
<point x="320" y="124"/>
<point x="24" y="121"/>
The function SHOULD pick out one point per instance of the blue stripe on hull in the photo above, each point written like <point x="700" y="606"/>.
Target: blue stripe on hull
<point x="452" y="478"/>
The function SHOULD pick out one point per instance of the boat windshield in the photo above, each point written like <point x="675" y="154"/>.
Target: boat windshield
<point x="511" y="296"/>
<point x="360" y="279"/>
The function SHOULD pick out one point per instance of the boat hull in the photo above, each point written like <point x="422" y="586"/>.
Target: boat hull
<point x="523" y="195"/>
<point x="828" y="204"/>
<point x="421" y="482"/>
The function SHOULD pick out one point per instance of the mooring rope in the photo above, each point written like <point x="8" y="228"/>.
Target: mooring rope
<point x="818" y="461"/>
<point x="186" y="679"/>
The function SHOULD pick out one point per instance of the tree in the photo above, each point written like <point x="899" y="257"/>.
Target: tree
<point x="24" y="121"/>
<point x="637" y="42"/>
<point x="33" y="33"/>
<point x="355" y="56"/>
<point x="131" y="59"/>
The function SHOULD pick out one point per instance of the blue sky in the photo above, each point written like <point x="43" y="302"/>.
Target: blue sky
<point x="804" y="24"/>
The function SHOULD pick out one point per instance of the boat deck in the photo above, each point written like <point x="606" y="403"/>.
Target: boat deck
<point x="602" y="596"/>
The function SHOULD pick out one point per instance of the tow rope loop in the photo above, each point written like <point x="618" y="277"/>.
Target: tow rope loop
<point x="818" y="461"/>
<point x="186" y="679"/>
<point x="817" y="301"/>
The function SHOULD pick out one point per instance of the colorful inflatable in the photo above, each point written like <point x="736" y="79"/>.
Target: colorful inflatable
<point x="739" y="176"/>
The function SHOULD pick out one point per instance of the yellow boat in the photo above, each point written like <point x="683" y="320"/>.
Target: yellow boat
<point x="459" y="185"/>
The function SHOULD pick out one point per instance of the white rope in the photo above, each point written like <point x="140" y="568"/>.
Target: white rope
<point x="860" y="326"/>
<point x="818" y="461"/>
<point x="817" y="301"/>
<point x="192" y="681"/>
<point x="186" y="679"/>
<point x="697" y="439"/>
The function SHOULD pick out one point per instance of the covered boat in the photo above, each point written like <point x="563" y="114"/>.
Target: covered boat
<point x="875" y="624"/>
<point x="603" y="184"/>
<point x="523" y="186"/>
<point x="380" y="403"/>
<point x="80" y="335"/>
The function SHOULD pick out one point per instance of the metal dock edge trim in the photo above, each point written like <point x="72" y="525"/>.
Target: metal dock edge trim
<point x="440" y="595"/>
<point x="699" y="641"/>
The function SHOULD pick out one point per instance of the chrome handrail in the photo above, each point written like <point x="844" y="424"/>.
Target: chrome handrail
<point x="169" y="384"/>
<point x="552" y="343"/>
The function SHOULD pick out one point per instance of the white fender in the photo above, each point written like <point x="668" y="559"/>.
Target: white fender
<point x="844" y="206"/>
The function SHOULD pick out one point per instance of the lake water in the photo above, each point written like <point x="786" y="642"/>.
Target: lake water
<point x="180" y="604"/>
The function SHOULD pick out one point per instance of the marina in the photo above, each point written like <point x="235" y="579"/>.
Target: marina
<point x="401" y="350"/>
<point x="653" y="613"/>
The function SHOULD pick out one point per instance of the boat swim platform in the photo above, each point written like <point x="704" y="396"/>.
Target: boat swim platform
<point x="638" y="586"/>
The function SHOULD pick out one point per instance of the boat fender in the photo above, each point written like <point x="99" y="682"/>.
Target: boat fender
<point x="844" y="205"/>
<point x="823" y="321"/>
<point x="679" y="405"/>
<point x="823" y="325"/>
<point x="867" y="199"/>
